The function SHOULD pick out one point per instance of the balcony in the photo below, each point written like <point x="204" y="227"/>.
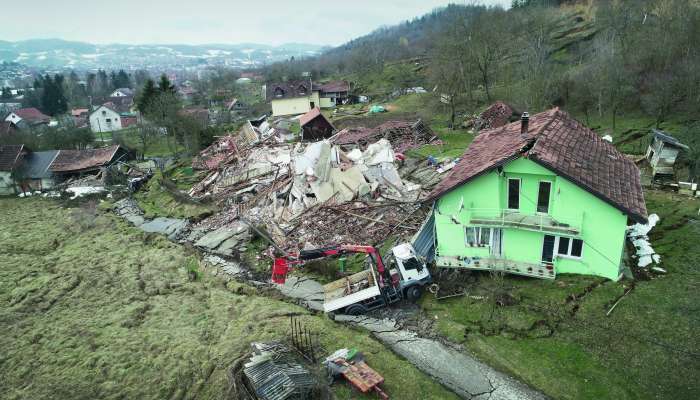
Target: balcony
<point x="534" y="222"/>
<point x="542" y="270"/>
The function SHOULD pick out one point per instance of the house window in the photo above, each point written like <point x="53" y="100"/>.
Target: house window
<point x="513" y="194"/>
<point x="108" y="120"/>
<point x="302" y="90"/>
<point x="104" y="112"/>
<point x="478" y="237"/>
<point x="569" y="247"/>
<point x="279" y="92"/>
<point x="543" y="196"/>
<point x="548" y="248"/>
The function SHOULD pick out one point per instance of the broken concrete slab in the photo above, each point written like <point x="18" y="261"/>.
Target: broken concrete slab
<point x="135" y="220"/>
<point x="213" y="239"/>
<point x="463" y="374"/>
<point x="225" y="238"/>
<point x="165" y="226"/>
<point x="307" y="290"/>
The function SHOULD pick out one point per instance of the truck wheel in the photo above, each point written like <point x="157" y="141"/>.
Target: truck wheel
<point x="413" y="293"/>
<point x="356" y="309"/>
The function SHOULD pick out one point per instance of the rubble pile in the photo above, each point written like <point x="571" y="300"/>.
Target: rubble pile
<point x="497" y="115"/>
<point x="355" y="222"/>
<point x="311" y="194"/>
<point x="403" y="135"/>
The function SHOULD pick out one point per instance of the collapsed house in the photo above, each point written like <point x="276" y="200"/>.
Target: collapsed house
<point x="298" y="190"/>
<point x="496" y="115"/>
<point x="403" y="135"/>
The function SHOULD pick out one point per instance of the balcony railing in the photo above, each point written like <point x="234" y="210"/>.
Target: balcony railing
<point x="530" y="221"/>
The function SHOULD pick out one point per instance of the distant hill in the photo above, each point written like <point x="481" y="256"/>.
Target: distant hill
<point x="57" y="53"/>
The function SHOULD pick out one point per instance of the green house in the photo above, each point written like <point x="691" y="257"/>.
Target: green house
<point x="538" y="197"/>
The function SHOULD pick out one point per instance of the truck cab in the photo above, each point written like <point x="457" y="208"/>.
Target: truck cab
<point x="406" y="267"/>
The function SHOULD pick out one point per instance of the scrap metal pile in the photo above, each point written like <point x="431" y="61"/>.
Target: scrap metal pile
<point x="317" y="193"/>
<point x="274" y="374"/>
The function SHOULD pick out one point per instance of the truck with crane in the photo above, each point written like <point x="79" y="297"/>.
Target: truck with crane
<point x="402" y="276"/>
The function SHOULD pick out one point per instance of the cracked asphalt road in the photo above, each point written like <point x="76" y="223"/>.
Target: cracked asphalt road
<point x="466" y="376"/>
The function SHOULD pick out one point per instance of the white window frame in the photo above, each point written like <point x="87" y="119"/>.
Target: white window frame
<point x="479" y="230"/>
<point x="520" y="189"/>
<point x="568" y="250"/>
<point x="549" y="200"/>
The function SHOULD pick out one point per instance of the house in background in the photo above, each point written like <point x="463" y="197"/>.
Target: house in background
<point x="110" y="117"/>
<point x="11" y="164"/>
<point x="292" y="97"/>
<point x="105" y="118"/>
<point x="662" y="153"/>
<point x="538" y="197"/>
<point x="30" y="116"/>
<point x="315" y="126"/>
<point x="122" y="92"/>
<point x="334" y="93"/>
<point x="298" y="97"/>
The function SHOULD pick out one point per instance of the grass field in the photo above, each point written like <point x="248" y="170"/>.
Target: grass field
<point x="93" y="308"/>
<point x="557" y="337"/>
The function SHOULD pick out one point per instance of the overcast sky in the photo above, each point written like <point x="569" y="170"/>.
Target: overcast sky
<point x="274" y="22"/>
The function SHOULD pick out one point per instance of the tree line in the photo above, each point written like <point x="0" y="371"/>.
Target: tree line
<point x="598" y="58"/>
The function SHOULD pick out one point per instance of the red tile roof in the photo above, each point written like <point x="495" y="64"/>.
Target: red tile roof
<point x="32" y="115"/>
<point x="563" y="145"/>
<point x="81" y="160"/>
<point x="311" y="115"/>
<point x="10" y="156"/>
<point x="334" y="87"/>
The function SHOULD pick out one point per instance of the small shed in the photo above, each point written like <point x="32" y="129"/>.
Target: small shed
<point x="315" y="126"/>
<point x="11" y="163"/>
<point x="662" y="152"/>
<point x="91" y="161"/>
<point x="36" y="174"/>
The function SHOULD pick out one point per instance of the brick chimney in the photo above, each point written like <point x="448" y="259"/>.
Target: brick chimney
<point x="524" y="123"/>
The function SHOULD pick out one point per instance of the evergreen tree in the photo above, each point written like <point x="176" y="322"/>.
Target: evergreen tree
<point x="122" y="80"/>
<point x="102" y="83"/>
<point x="6" y="93"/>
<point x="148" y="93"/>
<point x="53" y="99"/>
<point x="165" y="86"/>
